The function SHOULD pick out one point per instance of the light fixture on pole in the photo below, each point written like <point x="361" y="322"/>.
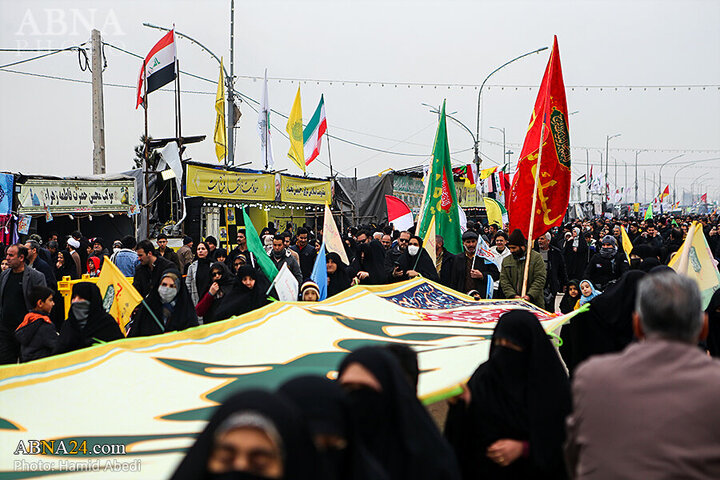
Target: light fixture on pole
<point x="477" y="129"/>
<point x="661" y="169"/>
<point x="607" y="158"/>
<point x="503" y="132"/>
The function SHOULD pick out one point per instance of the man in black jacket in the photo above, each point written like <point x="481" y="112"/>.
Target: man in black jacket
<point x="150" y="268"/>
<point x="392" y="256"/>
<point x="33" y="260"/>
<point x="607" y="265"/>
<point x="469" y="272"/>
<point x="306" y="253"/>
<point x="556" y="272"/>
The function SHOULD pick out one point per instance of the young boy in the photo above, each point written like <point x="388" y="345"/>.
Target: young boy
<point x="36" y="334"/>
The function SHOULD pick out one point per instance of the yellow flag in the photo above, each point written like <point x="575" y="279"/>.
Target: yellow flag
<point x="487" y="172"/>
<point x="430" y="243"/>
<point x="294" y="129"/>
<point x="119" y="296"/>
<point x="220" y="132"/>
<point x="698" y="263"/>
<point x="494" y="212"/>
<point x="627" y="244"/>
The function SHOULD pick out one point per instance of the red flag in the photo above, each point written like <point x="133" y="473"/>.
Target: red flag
<point x="399" y="213"/>
<point x="553" y="190"/>
<point x="665" y="193"/>
<point x="160" y="65"/>
<point x="703" y="198"/>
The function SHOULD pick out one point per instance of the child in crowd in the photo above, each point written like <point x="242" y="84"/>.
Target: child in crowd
<point x="93" y="266"/>
<point x="36" y="334"/>
<point x="571" y="297"/>
<point x="310" y="292"/>
<point x="587" y="289"/>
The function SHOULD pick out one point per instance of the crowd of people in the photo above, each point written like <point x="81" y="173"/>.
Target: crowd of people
<point x="630" y="394"/>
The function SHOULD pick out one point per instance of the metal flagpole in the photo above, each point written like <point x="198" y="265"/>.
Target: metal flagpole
<point x="327" y="134"/>
<point x="532" y="210"/>
<point x="178" y="114"/>
<point x="147" y="155"/>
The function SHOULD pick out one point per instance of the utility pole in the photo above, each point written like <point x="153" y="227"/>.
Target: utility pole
<point x="230" y="154"/>
<point x="97" y="105"/>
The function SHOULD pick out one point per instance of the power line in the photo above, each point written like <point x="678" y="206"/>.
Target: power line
<point x="38" y="57"/>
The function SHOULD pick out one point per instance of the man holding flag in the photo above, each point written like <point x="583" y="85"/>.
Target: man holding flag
<point x="469" y="271"/>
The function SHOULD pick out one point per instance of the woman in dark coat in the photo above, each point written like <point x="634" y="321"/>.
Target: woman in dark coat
<point x="290" y="453"/>
<point x="338" y="278"/>
<point x="514" y="424"/>
<point x="392" y="422"/>
<point x="249" y="293"/>
<point x="416" y="261"/>
<point x="222" y="282"/>
<point x="170" y="308"/>
<point x="369" y="264"/>
<point x="65" y="266"/>
<point x="342" y="453"/>
<point x="607" y="326"/>
<point x="88" y="322"/>
<point x="713" y="312"/>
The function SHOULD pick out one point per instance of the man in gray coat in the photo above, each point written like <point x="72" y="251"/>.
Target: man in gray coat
<point x="650" y="411"/>
<point x="15" y="285"/>
<point x="280" y="255"/>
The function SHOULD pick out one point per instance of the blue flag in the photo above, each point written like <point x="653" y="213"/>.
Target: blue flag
<point x="319" y="272"/>
<point x="490" y="287"/>
<point x="6" y="193"/>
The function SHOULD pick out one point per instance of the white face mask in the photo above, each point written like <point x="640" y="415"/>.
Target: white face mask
<point x="167" y="294"/>
<point x="413" y="250"/>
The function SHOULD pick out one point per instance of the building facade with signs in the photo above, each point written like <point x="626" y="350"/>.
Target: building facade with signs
<point x="103" y="206"/>
<point x="217" y="195"/>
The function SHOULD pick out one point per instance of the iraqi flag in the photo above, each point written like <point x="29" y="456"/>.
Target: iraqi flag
<point x="399" y="213"/>
<point x="312" y="134"/>
<point x="159" y="66"/>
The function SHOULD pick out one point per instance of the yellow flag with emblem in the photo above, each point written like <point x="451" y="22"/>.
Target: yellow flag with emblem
<point x="119" y="296"/>
<point x="626" y="243"/>
<point x="220" y="136"/>
<point x="695" y="260"/>
<point x="294" y="129"/>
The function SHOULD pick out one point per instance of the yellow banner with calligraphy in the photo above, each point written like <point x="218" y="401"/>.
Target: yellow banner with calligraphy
<point x="224" y="184"/>
<point x="305" y="190"/>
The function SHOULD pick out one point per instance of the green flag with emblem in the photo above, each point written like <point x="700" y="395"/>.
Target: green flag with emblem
<point x="440" y="200"/>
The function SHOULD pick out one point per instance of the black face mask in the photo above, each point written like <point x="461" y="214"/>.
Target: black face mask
<point x="371" y="411"/>
<point x="334" y="461"/>
<point x="235" y="475"/>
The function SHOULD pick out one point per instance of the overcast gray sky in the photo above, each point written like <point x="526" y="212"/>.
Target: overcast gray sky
<point x="45" y="124"/>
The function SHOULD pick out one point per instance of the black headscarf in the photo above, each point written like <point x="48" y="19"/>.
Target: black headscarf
<point x="713" y="339"/>
<point x="202" y="274"/>
<point x="607" y="326"/>
<point x="300" y="460"/>
<point x="567" y="304"/>
<point x="183" y="312"/>
<point x="242" y="299"/>
<point x="394" y="425"/>
<point x="68" y="269"/>
<point x="326" y="410"/>
<point x="421" y="263"/>
<point x="100" y="325"/>
<point x="521" y="395"/>
<point x="339" y="280"/>
<point x="227" y="283"/>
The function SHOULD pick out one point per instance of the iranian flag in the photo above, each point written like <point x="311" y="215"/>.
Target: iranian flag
<point x="158" y="67"/>
<point x="399" y="213"/>
<point x="312" y="134"/>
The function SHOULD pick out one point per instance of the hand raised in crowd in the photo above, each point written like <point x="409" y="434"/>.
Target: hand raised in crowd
<point x="505" y="451"/>
<point x="397" y="272"/>
<point x="214" y="288"/>
<point x="476" y="274"/>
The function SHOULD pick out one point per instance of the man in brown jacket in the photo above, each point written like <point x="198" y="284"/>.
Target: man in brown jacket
<point x="513" y="270"/>
<point x="650" y="411"/>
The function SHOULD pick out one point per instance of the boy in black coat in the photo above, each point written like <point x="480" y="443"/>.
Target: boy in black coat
<point x="36" y="334"/>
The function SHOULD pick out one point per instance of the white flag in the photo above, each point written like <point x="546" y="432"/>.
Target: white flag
<point x="266" y="154"/>
<point x="286" y="285"/>
<point x="331" y="236"/>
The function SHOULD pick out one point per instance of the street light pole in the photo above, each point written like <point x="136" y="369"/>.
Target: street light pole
<point x="503" y="132"/>
<point x="675" y="180"/>
<point x="477" y="127"/>
<point x="607" y="160"/>
<point x="637" y="152"/>
<point x="661" y="169"/>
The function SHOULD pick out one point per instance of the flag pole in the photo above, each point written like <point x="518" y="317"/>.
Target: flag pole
<point x="147" y="153"/>
<point x="532" y="210"/>
<point x="327" y="134"/>
<point x="178" y="114"/>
